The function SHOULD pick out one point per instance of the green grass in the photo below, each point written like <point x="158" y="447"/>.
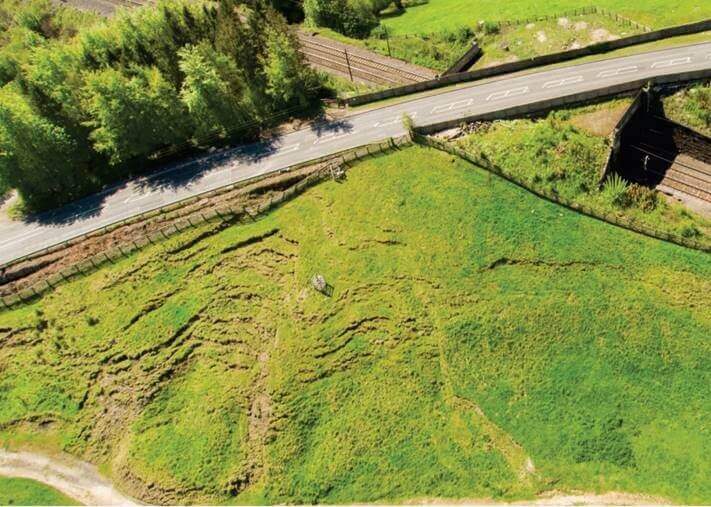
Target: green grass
<point x="436" y="51"/>
<point x="691" y="106"/>
<point x="437" y="15"/>
<point x="543" y="37"/>
<point x="472" y="326"/>
<point x="343" y="87"/>
<point x="565" y="153"/>
<point x="15" y="491"/>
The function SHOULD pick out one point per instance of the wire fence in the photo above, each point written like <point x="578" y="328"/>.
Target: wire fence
<point x="576" y="12"/>
<point x="221" y="214"/>
<point x="626" y="222"/>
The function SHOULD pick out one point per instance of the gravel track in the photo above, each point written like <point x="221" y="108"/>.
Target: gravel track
<point x="76" y="479"/>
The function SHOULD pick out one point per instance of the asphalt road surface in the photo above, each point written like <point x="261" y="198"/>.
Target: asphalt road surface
<point x="180" y="181"/>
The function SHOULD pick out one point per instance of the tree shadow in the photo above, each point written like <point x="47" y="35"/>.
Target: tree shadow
<point x="174" y="175"/>
<point x="324" y="127"/>
<point x="178" y="173"/>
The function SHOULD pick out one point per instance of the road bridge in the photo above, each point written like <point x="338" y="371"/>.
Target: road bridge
<point x="180" y="181"/>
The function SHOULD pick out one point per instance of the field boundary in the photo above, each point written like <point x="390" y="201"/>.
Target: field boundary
<point x="619" y="220"/>
<point x="333" y="166"/>
<point x="592" y="9"/>
<point x="538" y="61"/>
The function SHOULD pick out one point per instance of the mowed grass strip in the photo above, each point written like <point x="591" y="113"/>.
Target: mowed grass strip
<point x="479" y="343"/>
<point x="438" y="15"/>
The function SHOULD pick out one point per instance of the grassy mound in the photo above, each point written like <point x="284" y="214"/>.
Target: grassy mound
<point x="479" y="342"/>
<point x="26" y="492"/>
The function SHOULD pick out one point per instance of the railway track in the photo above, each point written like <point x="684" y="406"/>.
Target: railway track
<point x="681" y="172"/>
<point x="359" y="64"/>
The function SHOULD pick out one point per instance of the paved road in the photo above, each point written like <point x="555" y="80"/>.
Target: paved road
<point x="191" y="177"/>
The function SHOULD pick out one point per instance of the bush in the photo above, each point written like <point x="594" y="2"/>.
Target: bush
<point x="353" y="18"/>
<point x="489" y="27"/>
<point x="644" y="198"/>
<point x="689" y="231"/>
<point x="615" y="191"/>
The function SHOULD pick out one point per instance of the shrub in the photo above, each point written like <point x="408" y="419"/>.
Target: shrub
<point x="689" y="231"/>
<point x="489" y="27"/>
<point x="615" y="191"/>
<point x="644" y="198"/>
<point x="352" y="18"/>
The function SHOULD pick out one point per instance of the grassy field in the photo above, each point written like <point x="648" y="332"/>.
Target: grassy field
<point x="516" y="42"/>
<point x="691" y="106"/>
<point x="478" y="343"/>
<point x="26" y="492"/>
<point x="565" y="153"/>
<point x="437" y="15"/>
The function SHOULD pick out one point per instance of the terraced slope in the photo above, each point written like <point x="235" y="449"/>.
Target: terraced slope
<point x="478" y="342"/>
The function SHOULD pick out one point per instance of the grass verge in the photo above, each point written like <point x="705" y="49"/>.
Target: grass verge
<point x="15" y="491"/>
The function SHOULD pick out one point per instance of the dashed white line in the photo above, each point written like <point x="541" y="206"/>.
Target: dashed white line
<point x="618" y="72"/>
<point x="508" y="93"/>
<point x="670" y="63"/>
<point x="563" y="82"/>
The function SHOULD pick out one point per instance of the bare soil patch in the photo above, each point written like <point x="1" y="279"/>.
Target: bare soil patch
<point x="601" y="122"/>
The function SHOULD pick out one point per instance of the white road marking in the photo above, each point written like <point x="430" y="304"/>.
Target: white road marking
<point x="461" y="104"/>
<point x="508" y="93"/>
<point x="708" y="56"/>
<point x="563" y="82"/>
<point x="618" y="72"/>
<point x="451" y="106"/>
<point x="394" y="120"/>
<point x="332" y="137"/>
<point x="670" y="63"/>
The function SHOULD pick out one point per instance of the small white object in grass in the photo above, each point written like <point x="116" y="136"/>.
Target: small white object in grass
<point x="318" y="282"/>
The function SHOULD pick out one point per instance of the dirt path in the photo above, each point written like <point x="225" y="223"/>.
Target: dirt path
<point x="76" y="479"/>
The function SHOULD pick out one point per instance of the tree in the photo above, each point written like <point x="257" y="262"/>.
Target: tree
<point x="286" y="74"/>
<point x="37" y="158"/>
<point x="213" y="91"/>
<point x="354" y="18"/>
<point x="133" y="116"/>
